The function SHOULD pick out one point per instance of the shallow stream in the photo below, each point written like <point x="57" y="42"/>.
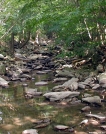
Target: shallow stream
<point x="18" y="113"/>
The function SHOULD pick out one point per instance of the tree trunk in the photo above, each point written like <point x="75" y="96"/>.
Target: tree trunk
<point x="12" y="45"/>
<point x="28" y="38"/>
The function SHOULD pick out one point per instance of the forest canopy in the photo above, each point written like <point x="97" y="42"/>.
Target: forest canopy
<point x="76" y="24"/>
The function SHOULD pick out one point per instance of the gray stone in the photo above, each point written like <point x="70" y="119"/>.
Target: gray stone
<point x="55" y="96"/>
<point x="41" y="83"/>
<point x="81" y="85"/>
<point x="71" y="84"/>
<point x="94" y="99"/>
<point x="64" y="73"/>
<point x="102" y="79"/>
<point x="30" y="131"/>
<point x="1" y="57"/>
<point x="61" y="127"/>
<point x="59" y="79"/>
<point x="3" y="82"/>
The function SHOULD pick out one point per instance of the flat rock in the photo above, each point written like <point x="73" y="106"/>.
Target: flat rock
<point x="59" y="79"/>
<point x="95" y="86"/>
<point x="55" y="96"/>
<point x="30" y="131"/>
<point x="41" y="83"/>
<point x="61" y="127"/>
<point x="94" y="99"/>
<point x="97" y="116"/>
<point x="64" y="73"/>
<point x="31" y="91"/>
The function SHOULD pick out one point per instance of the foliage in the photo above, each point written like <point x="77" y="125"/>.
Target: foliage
<point x="80" y="22"/>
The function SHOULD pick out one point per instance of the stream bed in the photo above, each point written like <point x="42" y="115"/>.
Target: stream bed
<point x="18" y="113"/>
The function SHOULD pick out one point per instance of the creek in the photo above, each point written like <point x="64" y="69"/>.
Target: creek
<point x="18" y="113"/>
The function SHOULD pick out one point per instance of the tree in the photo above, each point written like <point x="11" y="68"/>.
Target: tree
<point x="81" y="23"/>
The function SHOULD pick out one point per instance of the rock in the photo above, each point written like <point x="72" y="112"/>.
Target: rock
<point x="44" y="120"/>
<point x="58" y="88"/>
<point x="61" y="127"/>
<point x="3" y="82"/>
<point x="91" y="100"/>
<point x="71" y="84"/>
<point x="96" y="116"/>
<point x="67" y="66"/>
<point x="86" y="108"/>
<point x="100" y="68"/>
<point x="59" y="79"/>
<point x="102" y="79"/>
<point x="42" y="125"/>
<point x="1" y="57"/>
<point x="55" y="96"/>
<point x="88" y="81"/>
<point x="34" y="56"/>
<point x="19" y="56"/>
<point x="30" y="131"/>
<point x="26" y="70"/>
<point x="95" y="86"/>
<point x="41" y="83"/>
<point x="25" y="76"/>
<point x="81" y="132"/>
<point x="103" y="127"/>
<point x="86" y="95"/>
<point x="15" y="75"/>
<point x="41" y="72"/>
<point x="94" y="122"/>
<point x="64" y="73"/>
<point x="84" y="122"/>
<point x="81" y="85"/>
<point x="30" y="92"/>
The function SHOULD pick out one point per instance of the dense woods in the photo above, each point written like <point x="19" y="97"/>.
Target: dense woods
<point x="77" y="25"/>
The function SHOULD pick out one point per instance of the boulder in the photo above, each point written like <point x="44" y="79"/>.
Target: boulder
<point x="56" y="96"/>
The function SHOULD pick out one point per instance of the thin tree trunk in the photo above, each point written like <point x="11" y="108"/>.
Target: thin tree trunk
<point x="25" y="41"/>
<point x="87" y="28"/>
<point x="12" y="45"/>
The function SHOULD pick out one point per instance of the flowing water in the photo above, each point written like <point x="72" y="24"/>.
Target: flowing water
<point x="18" y="113"/>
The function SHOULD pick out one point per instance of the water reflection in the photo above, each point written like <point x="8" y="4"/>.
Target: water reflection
<point x="19" y="113"/>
